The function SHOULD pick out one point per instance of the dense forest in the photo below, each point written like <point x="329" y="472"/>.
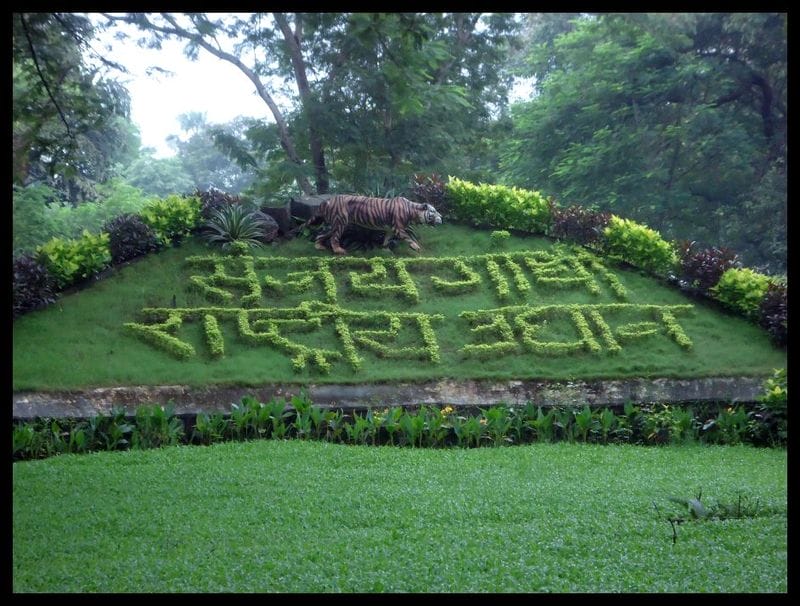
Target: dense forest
<point x="677" y="121"/>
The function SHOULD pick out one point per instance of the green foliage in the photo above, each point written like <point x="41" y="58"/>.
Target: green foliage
<point x="156" y="426"/>
<point x="769" y="421"/>
<point x="499" y="238"/>
<point x="71" y="260"/>
<point x="40" y="214"/>
<point x="158" y="176"/>
<point x="644" y="115"/>
<point x="639" y="245"/>
<point x="236" y="224"/>
<point x="33" y="285"/>
<point x="742" y="289"/>
<point x="172" y="217"/>
<point x="498" y="206"/>
<point x="71" y="123"/>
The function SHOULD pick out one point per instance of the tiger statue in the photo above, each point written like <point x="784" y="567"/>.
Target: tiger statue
<point x="393" y="215"/>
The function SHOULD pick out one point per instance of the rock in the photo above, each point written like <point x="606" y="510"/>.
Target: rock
<point x="304" y="208"/>
<point x="282" y="213"/>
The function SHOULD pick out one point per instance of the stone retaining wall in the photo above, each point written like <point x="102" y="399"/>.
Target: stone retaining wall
<point x="188" y="400"/>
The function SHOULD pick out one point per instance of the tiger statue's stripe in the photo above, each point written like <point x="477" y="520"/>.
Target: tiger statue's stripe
<point x="393" y="215"/>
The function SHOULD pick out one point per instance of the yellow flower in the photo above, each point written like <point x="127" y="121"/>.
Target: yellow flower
<point x="483" y="421"/>
<point x="446" y="410"/>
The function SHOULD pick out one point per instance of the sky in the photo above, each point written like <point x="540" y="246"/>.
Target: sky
<point x="208" y="85"/>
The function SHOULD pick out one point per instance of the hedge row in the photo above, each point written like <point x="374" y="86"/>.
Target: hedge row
<point x="715" y="273"/>
<point x="61" y="263"/>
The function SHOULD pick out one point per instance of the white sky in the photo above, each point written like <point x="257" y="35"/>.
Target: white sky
<point x="208" y="85"/>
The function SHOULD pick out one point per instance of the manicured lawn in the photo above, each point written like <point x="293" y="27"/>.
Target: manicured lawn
<point x="273" y="516"/>
<point x="81" y="341"/>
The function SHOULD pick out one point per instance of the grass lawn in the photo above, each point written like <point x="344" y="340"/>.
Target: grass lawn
<point x="273" y="516"/>
<point x="81" y="341"/>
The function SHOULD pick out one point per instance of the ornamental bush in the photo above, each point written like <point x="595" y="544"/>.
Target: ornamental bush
<point x="430" y="189"/>
<point x="578" y="223"/>
<point x="129" y="237"/>
<point x="34" y="287"/>
<point x="702" y="269"/>
<point x="638" y="245"/>
<point x="742" y="290"/>
<point x="499" y="206"/>
<point x="70" y="260"/>
<point x="235" y="223"/>
<point x="172" y="217"/>
<point x="772" y="313"/>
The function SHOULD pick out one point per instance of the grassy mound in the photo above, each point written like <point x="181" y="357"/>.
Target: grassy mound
<point x="469" y="306"/>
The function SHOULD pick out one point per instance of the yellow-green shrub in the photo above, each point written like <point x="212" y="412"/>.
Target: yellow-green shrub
<point x="742" y="290"/>
<point x="69" y="260"/>
<point x="639" y="245"/>
<point x="173" y="216"/>
<point x="498" y="206"/>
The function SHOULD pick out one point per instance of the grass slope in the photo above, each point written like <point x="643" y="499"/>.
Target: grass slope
<point x="80" y="342"/>
<point x="271" y="516"/>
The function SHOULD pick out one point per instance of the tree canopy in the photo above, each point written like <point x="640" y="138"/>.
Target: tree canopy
<point x="678" y="121"/>
<point x="71" y="122"/>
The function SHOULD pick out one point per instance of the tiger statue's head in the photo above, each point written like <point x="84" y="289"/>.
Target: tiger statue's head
<point x="430" y="216"/>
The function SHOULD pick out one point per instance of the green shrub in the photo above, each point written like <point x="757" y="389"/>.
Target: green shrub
<point x="172" y="217"/>
<point x="742" y="289"/>
<point x="70" y="260"/>
<point x="499" y="206"/>
<point x="639" y="245"/>
<point x="499" y="238"/>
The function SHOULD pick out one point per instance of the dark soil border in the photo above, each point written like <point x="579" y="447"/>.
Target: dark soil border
<point x="191" y="400"/>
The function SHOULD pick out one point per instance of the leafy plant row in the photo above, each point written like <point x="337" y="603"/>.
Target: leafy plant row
<point x="62" y="262"/>
<point x="154" y="426"/>
<point x="715" y="273"/>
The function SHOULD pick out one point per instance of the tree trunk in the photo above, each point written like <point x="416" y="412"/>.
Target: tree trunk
<point x="309" y="104"/>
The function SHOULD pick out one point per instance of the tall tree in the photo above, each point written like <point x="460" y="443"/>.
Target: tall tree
<point x="677" y="120"/>
<point x="71" y="122"/>
<point x="374" y="91"/>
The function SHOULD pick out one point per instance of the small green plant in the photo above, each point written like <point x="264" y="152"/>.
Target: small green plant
<point x="585" y="423"/>
<point x="413" y="426"/>
<point x="209" y="429"/>
<point x="498" y="422"/>
<point x="543" y="425"/>
<point x="499" y="206"/>
<point x="156" y="426"/>
<point x="608" y="421"/>
<point x="499" y="238"/>
<point x="234" y="224"/>
<point x="770" y="419"/>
